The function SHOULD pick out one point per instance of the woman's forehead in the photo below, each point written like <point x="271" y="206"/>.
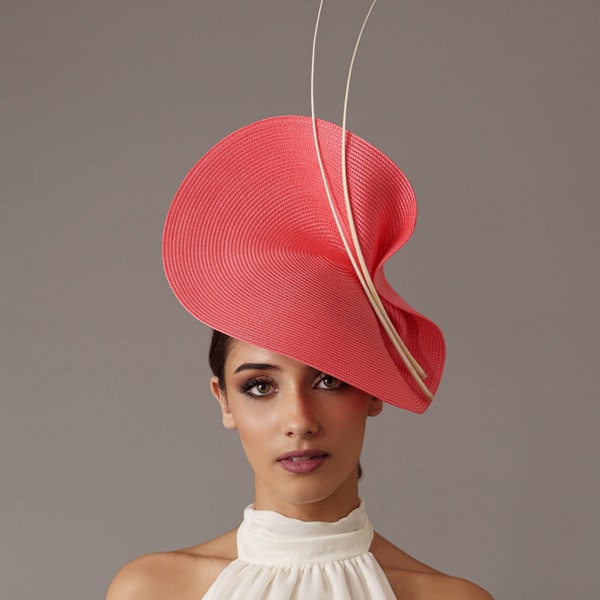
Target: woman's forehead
<point x="243" y="354"/>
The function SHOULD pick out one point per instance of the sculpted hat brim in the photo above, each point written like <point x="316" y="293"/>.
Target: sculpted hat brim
<point x="250" y="248"/>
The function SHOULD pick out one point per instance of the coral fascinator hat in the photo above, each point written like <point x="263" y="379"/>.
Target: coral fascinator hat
<point x="251" y="248"/>
<point x="273" y="240"/>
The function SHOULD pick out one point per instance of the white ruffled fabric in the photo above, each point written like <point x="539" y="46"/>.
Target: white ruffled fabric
<point x="287" y="559"/>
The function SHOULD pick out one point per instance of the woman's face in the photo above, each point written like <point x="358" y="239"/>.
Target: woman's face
<point x="301" y="430"/>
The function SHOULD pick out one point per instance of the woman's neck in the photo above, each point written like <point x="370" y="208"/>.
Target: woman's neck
<point x="329" y="509"/>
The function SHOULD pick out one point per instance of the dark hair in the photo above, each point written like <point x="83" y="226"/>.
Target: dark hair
<point x="217" y="355"/>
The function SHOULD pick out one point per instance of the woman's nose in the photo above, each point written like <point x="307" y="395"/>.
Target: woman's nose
<point x="299" y="418"/>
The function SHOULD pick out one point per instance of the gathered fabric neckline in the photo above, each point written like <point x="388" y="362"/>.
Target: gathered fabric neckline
<point x="288" y="559"/>
<point x="270" y="538"/>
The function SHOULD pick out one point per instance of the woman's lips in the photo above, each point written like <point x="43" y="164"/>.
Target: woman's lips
<point x="302" y="461"/>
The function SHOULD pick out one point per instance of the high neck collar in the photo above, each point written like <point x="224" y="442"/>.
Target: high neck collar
<point x="270" y="538"/>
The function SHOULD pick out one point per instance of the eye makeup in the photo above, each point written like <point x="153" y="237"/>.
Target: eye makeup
<point x="262" y="386"/>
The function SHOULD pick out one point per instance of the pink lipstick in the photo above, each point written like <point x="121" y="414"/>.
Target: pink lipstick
<point x="302" y="461"/>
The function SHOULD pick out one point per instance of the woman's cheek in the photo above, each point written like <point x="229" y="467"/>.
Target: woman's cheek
<point x="254" y="423"/>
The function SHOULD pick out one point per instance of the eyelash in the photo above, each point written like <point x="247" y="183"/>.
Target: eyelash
<point x="338" y="382"/>
<point x="248" y="385"/>
<point x="251" y="383"/>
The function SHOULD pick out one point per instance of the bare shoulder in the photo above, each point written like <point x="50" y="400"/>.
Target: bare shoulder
<point x="180" y="575"/>
<point x="414" y="580"/>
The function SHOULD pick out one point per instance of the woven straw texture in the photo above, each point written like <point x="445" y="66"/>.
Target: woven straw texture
<point x="251" y="248"/>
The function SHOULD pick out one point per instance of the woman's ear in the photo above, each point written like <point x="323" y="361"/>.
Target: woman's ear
<point x="219" y="394"/>
<point x="375" y="406"/>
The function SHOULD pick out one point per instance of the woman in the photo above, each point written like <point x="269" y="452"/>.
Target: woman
<point x="277" y="243"/>
<point x="277" y="240"/>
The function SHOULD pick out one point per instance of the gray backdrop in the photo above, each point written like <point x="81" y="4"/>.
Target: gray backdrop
<point x="111" y="446"/>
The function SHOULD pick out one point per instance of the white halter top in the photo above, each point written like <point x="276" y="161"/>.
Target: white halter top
<point x="286" y="559"/>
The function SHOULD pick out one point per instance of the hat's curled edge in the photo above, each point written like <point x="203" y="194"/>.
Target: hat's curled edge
<point x="250" y="248"/>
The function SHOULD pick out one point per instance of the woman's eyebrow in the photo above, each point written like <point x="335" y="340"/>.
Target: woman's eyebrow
<point x="256" y="367"/>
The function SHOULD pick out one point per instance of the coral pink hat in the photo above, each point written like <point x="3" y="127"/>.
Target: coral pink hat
<point x="251" y="248"/>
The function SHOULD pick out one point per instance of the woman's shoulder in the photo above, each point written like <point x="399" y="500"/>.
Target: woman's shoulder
<point x="414" y="580"/>
<point x="182" y="574"/>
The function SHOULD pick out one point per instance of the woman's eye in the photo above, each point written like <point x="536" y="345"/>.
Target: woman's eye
<point x="329" y="383"/>
<point x="257" y="388"/>
<point x="262" y="388"/>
